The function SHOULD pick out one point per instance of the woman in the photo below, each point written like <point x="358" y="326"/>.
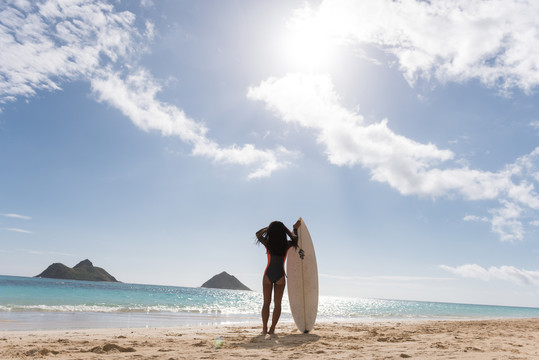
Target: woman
<point x="274" y="238"/>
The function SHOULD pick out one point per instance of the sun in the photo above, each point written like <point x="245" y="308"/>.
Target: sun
<point x="308" y="43"/>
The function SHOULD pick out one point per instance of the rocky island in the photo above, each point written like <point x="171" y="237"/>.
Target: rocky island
<point x="225" y="281"/>
<point x="84" y="270"/>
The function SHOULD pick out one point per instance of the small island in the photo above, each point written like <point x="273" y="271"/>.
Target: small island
<point x="225" y="281"/>
<point x="84" y="270"/>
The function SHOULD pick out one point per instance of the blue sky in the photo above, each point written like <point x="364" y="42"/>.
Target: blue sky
<point x="156" y="137"/>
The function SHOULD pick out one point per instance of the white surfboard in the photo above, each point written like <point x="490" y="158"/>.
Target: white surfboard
<point x="302" y="282"/>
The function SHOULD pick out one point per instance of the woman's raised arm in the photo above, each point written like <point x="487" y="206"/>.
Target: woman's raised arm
<point x="260" y="235"/>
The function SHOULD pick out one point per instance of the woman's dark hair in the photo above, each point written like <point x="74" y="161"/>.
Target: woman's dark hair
<point x="276" y="242"/>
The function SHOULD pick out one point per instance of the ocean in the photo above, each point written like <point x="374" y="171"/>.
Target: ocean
<point x="39" y="304"/>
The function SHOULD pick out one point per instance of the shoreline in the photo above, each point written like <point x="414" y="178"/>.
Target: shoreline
<point x="419" y="339"/>
<point x="76" y="320"/>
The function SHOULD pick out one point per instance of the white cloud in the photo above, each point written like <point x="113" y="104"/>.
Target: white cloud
<point x="475" y="218"/>
<point x="44" y="44"/>
<point x="40" y="252"/>
<point x="505" y="222"/>
<point x="17" y="216"/>
<point x="310" y="101"/>
<point x="520" y="201"/>
<point x="22" y="231"/>
<point x="496" y="41"/>
<point x="377" y="278"/>
<point x="410" y="167"/>
<point x="506" y="273"/>
<point x="47" y="43"/>
<point x="135" y="96"/>
<point x="146" y="3"/>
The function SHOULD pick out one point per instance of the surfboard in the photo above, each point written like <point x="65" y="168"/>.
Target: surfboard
<point x="302" y="282"/>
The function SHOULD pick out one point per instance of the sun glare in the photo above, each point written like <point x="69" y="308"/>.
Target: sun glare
<point x="308" y="44"/>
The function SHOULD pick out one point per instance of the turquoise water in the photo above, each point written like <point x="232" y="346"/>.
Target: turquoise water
<point x="33" y="303"/>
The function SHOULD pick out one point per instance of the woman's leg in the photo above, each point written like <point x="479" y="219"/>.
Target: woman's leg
<point x="277" y="297"/>
<point x="267" y="288"/>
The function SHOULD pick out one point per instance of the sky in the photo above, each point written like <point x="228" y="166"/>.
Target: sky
<point x="156" y="137"/>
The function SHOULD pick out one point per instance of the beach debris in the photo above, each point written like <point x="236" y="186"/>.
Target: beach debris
<point x="472" y="348"/>
<point x="219" y="342"/>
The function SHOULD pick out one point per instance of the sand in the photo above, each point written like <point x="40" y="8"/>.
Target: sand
<point x="481" y="339"/>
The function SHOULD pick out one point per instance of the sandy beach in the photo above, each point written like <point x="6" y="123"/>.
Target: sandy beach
<point x="479" y="339"/>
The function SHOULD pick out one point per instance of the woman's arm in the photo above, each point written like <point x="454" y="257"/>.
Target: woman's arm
<point x="260" y="235"/>
<point x="294" y="236"/>
<point x="291" y="235"/>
